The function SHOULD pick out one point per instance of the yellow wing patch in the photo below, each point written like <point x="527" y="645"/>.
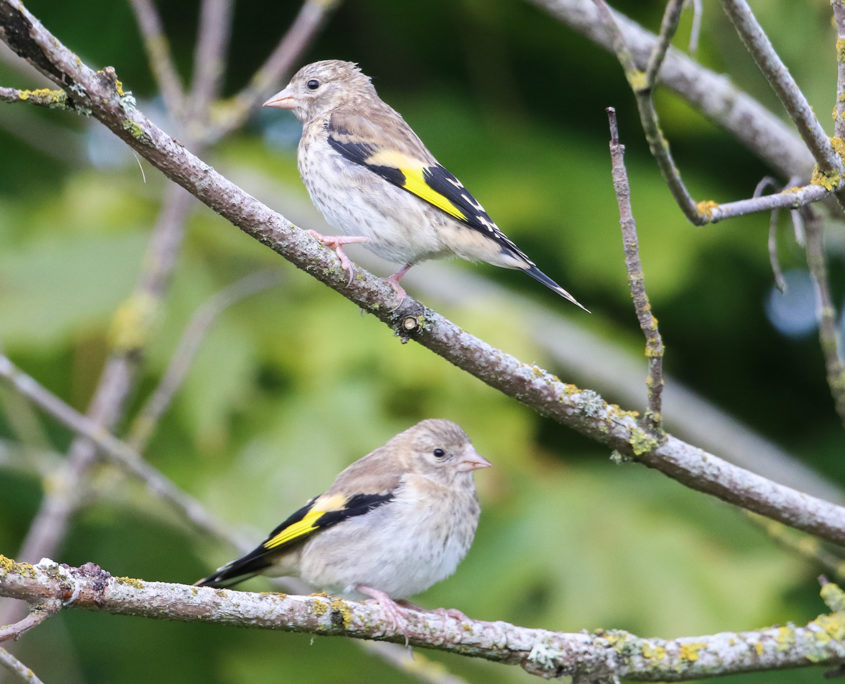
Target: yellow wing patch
<point x="307" y="525"/>
<point x="415" y="183"/>
<point x="412" y="169"/>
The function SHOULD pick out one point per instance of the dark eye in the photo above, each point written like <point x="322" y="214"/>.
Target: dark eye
<point x="439" y="453"/>
<point x="313" y="84"/>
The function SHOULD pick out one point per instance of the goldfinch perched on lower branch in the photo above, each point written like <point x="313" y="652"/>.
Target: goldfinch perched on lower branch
<point x="391" y="525"/>
<point x="372" y="178"/>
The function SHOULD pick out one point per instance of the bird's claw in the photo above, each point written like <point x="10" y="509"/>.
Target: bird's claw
<point x="336" y="242"/>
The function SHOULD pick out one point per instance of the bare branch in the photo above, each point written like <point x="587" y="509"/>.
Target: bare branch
<point x="197" y="329"/>
<point x="158" y="52"/>
<point x="668" y="28"/>
<point x="643" y="87"/>
<point x="636" y="278"/>
<point x="17" y="668"/>
<point x="215" y="27"/>
<point x="710" y="93"/>
<point x="299" y="35"/>
<point x="806" y="547"/>
<point x="582" y="410"/>
<point x="828" y="332"/>
<point x="117" y="452"/>
<point x="37" y="614"/>
<point x="786" y="88"/>
<point x="839" y="109"/>
<point x="44" y="97"/>
<point x="593" y="656"/>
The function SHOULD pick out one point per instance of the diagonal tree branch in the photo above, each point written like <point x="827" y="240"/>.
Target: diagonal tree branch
<point x="579" y="409"/>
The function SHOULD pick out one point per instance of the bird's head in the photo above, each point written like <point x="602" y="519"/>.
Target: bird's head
<point x="439" y="449"/>
<point x="320" y="87"/>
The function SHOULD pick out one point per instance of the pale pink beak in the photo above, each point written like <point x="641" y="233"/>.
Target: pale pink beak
<point x="473" y="461"/>
<point x="283" y="100"/>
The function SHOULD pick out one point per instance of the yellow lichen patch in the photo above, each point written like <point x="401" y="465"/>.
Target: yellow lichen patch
<point x="832" y="625"/>
<point x="6" y="564"/>
<point x="135" y="130"/>
<point x="828" y="181"/>
<point x="637" y="80"/>
<point x="130" y="581"/>
<point x="758" y="646"/>
<point x="785" y="638"/>
<point x="833" y="597"/>
<point x="132" y="324"/>
<point x="641" y="442"/>
<point x="319" y="608"/>
<point x="690" y="651"/>
<point x="653" y="653"/>
<point x="838" y="145"/>
<point x="706" y="208"/>
<point x="840" y="49"/>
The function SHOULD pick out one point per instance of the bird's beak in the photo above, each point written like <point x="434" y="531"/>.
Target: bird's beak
<point x="473" y="461"/>
<point x="283" y="100"/>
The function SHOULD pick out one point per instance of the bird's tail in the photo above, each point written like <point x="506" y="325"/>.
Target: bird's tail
<point x="538" y="275"/>
<point x="238" y="570"/>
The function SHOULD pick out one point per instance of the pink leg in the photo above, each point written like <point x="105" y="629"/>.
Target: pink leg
<point x="393" y="281"/>
<point x="337" y="242"/>
<point x="395" y="614"/>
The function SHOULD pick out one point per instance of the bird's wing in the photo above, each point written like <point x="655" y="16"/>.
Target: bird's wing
<point x="406" y="163"/>
<point x="318" y="514"/>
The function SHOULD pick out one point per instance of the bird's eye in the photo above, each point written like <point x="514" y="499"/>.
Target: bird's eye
<point x="313" y="84"/>
<point x="439" y="453"/>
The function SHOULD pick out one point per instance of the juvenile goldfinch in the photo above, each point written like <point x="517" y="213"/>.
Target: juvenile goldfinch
<point x="392" y="524"/>
<point x="372" y="178"/>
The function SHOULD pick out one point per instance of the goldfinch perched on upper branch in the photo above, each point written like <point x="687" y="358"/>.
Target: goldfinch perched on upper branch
<point x="392" y="524"/>
<point x="373" y="179"/>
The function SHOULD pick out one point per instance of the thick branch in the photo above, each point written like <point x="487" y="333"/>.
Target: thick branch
<point x="710" y="93"/>
<point x="603" y="654"/>
<point x="581" y="410"/>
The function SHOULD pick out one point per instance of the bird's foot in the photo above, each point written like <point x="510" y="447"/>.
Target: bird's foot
<point x="396" y="616"/>
<point x="336" y="242"/>
<point x="393" y="281"/>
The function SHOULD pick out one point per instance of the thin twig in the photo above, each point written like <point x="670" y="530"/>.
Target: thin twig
<point x="215" y="26"/>
<point x="774" y="261"/>
<point x="787" y="90"/>
<point x="643" y="92"/>
<point x="17" y="668"/>
<point x="828" y="331"/>
<point x="695" y="31"/>
<point x="38" y="613"/>
<point x="195" y="332"/>
<point x="296" y="39"/>
<point x="130" y="331"/>
<point x="804" y="545"/>
<point x="839" y="109"/>
<point x="668" y="28"/>
<point x="116" y="451"/>
<point x="158" y="54"/>
<point x="636" y="278"/>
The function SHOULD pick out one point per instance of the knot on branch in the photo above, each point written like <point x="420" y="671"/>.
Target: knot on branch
<point x="408" y="319"/>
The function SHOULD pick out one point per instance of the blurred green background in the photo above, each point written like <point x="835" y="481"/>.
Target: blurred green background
<point x="293" y="384"/>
